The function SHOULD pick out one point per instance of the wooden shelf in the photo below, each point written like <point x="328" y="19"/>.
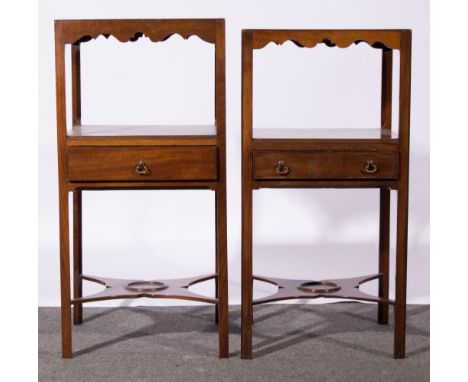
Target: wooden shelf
<point x="135" y="135"/>
<point x="143" y="130"/>
<point x="337" y="133"/>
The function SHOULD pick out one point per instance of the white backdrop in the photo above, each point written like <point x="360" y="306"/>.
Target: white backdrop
<point x="298" y="233"/>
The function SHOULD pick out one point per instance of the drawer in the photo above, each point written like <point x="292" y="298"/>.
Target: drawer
<point x="325" y="165"/>
<point x="142" y="163"/>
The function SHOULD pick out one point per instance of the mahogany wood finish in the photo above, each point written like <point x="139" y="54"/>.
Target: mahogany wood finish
<point x="137" y="157"/>
<point x="384" y="223"/>
<point x="324" y="165"/>
<point x="109" y="135"/>
<point x="142" y="164"/>
<point x="374" y="135"/>
<point x="77" y="257"/>
<point x="120" y="288"/>
<point x="307" y="289"/>
<point x="339" y="158"/>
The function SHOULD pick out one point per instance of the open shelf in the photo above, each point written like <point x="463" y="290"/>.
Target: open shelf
<point x="143" y="130"/>
<point x="336" y="133"/>
<point x="131" y="135"/>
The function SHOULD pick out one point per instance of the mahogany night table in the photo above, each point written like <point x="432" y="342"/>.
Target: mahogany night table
<point x="335" y="158"/>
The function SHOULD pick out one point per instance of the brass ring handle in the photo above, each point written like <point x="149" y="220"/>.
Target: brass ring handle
<point x="282" y="168"/>
<point x="370" y="167"/>
<point x="142" y="168"/>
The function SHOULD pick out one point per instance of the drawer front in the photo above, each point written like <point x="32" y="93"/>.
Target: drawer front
<point x="142" y="163"/>
<point x="325" y="165"/>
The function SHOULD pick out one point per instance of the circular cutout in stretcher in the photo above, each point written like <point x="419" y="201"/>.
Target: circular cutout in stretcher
<point x="145" y="286"/>
<point x="319" y="287"/>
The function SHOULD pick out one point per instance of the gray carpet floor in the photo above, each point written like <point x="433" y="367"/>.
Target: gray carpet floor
<point x="332" y="342"/>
